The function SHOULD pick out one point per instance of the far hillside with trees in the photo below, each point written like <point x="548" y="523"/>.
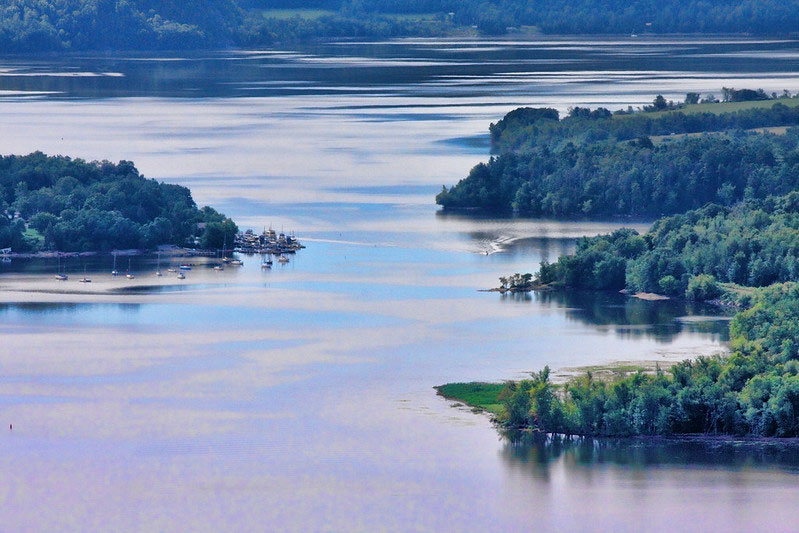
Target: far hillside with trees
<point x="62" y="25"/>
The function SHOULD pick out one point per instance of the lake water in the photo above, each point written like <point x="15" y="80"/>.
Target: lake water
<point x="302" y="398"/>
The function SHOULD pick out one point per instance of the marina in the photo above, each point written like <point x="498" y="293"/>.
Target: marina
<point x="268" y="242"/>
<point x="273" y="248"/>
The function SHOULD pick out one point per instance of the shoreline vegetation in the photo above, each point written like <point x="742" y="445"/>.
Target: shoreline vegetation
<point x="739" y="247"/>
<point x="484" y="398"/>
<point x="51" y="205"/>
<point x="74" y="25"/>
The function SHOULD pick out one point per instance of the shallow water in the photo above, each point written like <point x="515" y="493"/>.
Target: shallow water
<point x="301" y="397"/>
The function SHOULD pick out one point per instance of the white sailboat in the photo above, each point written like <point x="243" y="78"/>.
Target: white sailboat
<point x="114" y="271"/>
<point x="60" y="276"/>
<point x="158" y="267"/>
<point x="225" y="258"/>
<point x="129" y="275"/>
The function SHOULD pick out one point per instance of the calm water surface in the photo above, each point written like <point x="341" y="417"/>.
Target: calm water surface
<point x="301" y="398"/>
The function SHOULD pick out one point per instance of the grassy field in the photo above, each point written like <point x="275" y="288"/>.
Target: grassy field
<point x="479" y="395"/>
<point x="722" y="107"/>
<point x="311" y="14"/>
<point x="776" y="130"/>
<point x="416" y="17"/>
<point x="284" y="14"/>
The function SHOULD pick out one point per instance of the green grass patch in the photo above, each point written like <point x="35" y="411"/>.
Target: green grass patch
<point x="475" y="394"/>
<point x="33" y="236"/>
<point x="658" y="139"/>
<point x="285" y="14"/>
<point x="411" y="17"/>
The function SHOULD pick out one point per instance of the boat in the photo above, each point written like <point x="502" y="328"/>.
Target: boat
<point x="266" y="264"/>
<point x="185" y="267"/>
<point x="84" y="279"/>
<point x="283" y="259"/>
<point x="158" y="267"/>
<point x="129" y="275"/>
<point x="114" y="271"/>
<point x="218" y="267"/>
<point x="236" y="262"/>
<point x="181" y="275"/>
<point x="225" y="258"/>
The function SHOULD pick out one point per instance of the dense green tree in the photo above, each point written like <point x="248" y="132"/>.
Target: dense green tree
<point x="80" y="206"/>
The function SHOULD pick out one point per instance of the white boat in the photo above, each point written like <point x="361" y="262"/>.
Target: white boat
<point x="218" y="267"/>
<point x="181" y="275"/>
<point x="283" y="259"/>
<point x="236" y="262"/>
<point x="129" y="275"/>
<point x="84" y="279"/>
<point x="185" y="267"/>
<point x="158" y="267"/>
<point x="114" y="271"/>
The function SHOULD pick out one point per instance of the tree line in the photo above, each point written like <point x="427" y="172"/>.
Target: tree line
<point x="52" y="25"/>
<point x="65" y="204"/>
<point x="526" y="128"/>
<point x="754" y="244"/>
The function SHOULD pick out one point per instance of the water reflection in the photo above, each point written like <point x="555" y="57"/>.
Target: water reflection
<point x="429" y="67"/>
<point x="631" y="317"/>
<point x="19" y="310"/>
<point x="536" y="454"/>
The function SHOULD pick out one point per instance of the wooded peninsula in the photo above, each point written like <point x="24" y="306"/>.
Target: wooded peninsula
<point x="740" y="245"/>
<point x="70" y="205"/>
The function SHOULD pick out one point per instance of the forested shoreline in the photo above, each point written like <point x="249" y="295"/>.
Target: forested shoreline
<point x="60" y="25"/>
<point x="594" y="163"/>
<point x="733" y="236"/>
<point x="70" y="205"/>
